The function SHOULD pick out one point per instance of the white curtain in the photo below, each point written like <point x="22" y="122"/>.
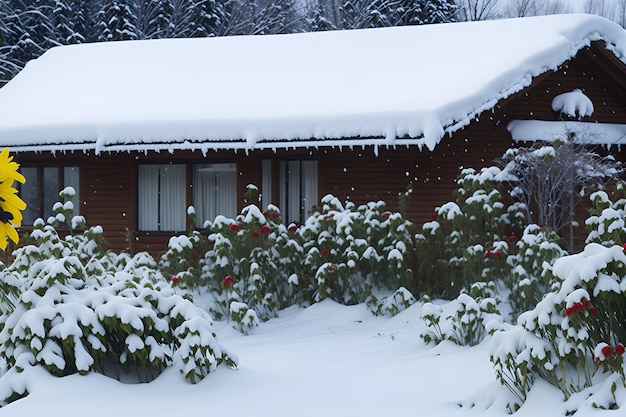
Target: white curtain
<point x="172" y="201"/>
<point x="161" y="195"/>
<point x="214" y="191"/>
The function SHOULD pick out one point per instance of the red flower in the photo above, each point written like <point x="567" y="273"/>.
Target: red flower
<point x="586" y="303"/>
<point x="228" y="281"/>
<point x="325" y="217"/>
<point x="330" y="267"/>
<point x="266" y="229"/>
<point x="592" y="310"/>
<point x="256" y="233"/>
<point x="275" y="214"/>
<point x="578" y="307"/>
<point x="292" y="228"/>
<point x="324" y="252"/>
<point x="607" y="351"/>
<point x="499" y="253"/>
<point x="234" y="227"/>
<point x="619" y="349"/>
<point x="265" y="213"/>
<point x="513" y="239"/>
<point x="488" y="254"/>
<point x="569" y="311"/>
<point x="384" y="216"/>
<point x="175" y="280"/>
<point x="624" y="246"/>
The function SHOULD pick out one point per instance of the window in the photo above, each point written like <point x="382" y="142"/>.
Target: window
<point x="297" y="187"/>
<point x="42" y="187"/>
<point x="214" y="191"/>
<point x="162" y="197"/>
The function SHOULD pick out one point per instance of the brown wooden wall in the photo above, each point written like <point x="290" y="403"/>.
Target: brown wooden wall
<point x="109" y="182"/>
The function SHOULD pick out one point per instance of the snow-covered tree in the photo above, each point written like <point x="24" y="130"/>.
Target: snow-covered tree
<point x="551" y="180"/>
<point x="205" y="18"/>
<point x="261" y="17"/>
<point x="117" y="20"/>
<point x="155" y="19"/>
<point x="318" y="19"/>
<point x="438" y="11"/>
<point x="472" y="10"/>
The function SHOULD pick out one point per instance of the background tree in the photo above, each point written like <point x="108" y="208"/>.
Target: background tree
<point x="319" y="18"/>
<point x="473" y="10"/>
<point x="117" y="21"/>
<point x="552" y="181"/>
<point x="155" y="19"/>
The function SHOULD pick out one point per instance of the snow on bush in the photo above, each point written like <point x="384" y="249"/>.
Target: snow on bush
<point x="254" y="265"/>
<point x="72" y="308"/>
<point x="470" y="320"/>
<point x="574" y="337"/>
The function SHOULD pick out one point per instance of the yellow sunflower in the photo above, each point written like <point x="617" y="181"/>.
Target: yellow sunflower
<point x="11" y="205"/>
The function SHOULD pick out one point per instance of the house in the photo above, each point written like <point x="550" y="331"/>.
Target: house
<point x="144" y="129"/>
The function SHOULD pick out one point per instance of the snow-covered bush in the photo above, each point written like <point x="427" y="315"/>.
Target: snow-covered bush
<point x="73" y="308"/>
<point x="255" y="265"/>
<point x="469" y="239"/>
<point x="531" y="275"/>
<point x="606" y="220"/>
<point x="574" y="337"/>
<point x="469" y="321"/>
<point x="392" y="304"/>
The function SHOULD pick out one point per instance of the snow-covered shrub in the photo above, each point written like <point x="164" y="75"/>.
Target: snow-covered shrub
<point x="468" y="239"/>
<point x="606" y="220"/>
<point x="182" y="262"/>
<point x="574" y="337"/>
<point x="392" y="304"/>
<point x="468" y="323"/>
<point x="531" y="275"/>
<point x="256" y="265"/>
<point x="74" y="308"/>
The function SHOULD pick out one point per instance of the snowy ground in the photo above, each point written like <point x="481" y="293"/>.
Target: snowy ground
<point x="326" y="360"/>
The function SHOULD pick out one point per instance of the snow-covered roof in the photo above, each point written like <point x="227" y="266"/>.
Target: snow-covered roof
<point x="388" y="86"/>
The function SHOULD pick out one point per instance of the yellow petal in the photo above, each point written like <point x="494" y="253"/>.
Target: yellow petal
<point x="12" y="233"/>
<point x="3" y="236"/>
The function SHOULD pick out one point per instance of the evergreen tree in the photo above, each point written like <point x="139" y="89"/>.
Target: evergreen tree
<point x="117" y="21"/>
<point x="205" y="18"/>
<point x="156" y="19"/>
<point x="317" y="21"/>
<point x="63" y="23"/>
<point x="278" y="17"/>
<point x="439" y="11"/>
<point x="380" y="13"/>
<point x="354" y="14"/>
<point x="421" y="12"/>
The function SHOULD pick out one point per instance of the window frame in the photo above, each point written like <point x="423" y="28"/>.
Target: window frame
<point x="42" y="192"/>
<point x="188" y="186"/>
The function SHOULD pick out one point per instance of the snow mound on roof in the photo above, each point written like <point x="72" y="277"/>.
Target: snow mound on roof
<point x="573" y="104"/>
<point x="381" y="87"/>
